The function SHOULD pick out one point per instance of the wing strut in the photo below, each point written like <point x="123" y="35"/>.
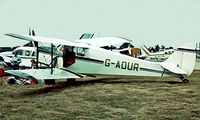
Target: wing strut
<point x="37" y="54"/>
<point x="51" y="58"/>
<point x="163" y="72"/>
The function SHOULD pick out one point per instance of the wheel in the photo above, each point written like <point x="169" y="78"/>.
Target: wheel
<point x="49" y="82"/>
<point x="185" y="80"/>
<point x="71" y="80"/>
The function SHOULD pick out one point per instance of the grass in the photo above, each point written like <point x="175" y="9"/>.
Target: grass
<point x="123" y="98"/>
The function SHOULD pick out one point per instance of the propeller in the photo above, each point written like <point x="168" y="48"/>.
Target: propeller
<point x="29" y="32"/>
<point x="33" y="33"/>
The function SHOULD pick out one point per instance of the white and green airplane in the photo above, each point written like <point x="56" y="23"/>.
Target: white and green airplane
<point x="88" y="57"/>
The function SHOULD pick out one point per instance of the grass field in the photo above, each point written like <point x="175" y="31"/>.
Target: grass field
<point x="104" y="97"/>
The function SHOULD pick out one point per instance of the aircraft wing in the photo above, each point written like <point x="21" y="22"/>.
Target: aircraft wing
<point x="104" y="41"/>
<point x="44" y="74"/>
<point x="48" y="40"/>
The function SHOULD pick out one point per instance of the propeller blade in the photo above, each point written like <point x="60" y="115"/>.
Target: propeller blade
<point x="29" y="32"/>
<point x="33" y="33"/>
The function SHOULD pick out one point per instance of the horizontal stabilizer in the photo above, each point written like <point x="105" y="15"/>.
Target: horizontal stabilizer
<point x="44" y="74"/>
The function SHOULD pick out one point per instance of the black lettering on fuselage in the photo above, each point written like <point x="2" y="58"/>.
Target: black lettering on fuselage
<point x="107" y="62"/>
<point x="130" y="67"/>
<point x="136" y="67"/>
<point x="123" y="65"/>
<point x="117" y="65"/>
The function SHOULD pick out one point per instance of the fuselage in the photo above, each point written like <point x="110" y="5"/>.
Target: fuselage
<point x="100" y="61"/>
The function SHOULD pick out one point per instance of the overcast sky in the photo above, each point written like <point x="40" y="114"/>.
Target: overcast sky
<point x="149" y="22"/>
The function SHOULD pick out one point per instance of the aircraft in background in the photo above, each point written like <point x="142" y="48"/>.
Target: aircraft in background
<point x="163" y="55"/>
<point x="157" y="56"/>
<point x="84" y="58"/>
<point x="26" y="52"/>
<point x="7" y="49"/>
<point x="29" y="44"/>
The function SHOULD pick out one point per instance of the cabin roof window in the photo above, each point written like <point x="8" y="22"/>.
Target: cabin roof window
<point x="118" y="46"/>
<point x="20" y="52"/>
<point x="33" y="54"/>
<point x="27" y="53"/>
<point x="79" y="51"/>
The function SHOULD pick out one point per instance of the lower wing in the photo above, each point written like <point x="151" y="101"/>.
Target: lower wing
<point x="44" y="74"/>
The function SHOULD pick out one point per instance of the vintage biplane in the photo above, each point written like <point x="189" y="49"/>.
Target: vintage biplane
<point x="88" y="57"/>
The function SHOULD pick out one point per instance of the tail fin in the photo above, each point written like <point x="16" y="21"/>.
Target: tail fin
<point x="181" y="61"/>
<point x="144" y="48"/>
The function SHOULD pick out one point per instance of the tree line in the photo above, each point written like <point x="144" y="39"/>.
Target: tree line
<point x="157" y="48"/>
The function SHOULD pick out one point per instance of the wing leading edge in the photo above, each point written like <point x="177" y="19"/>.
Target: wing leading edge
<point x="48" y="40"/>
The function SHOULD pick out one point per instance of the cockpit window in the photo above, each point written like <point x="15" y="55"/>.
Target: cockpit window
<point x="79" y="51"/>
<point x="27" y="53"/>
<point x="20" y="52"/>
<point x="109" y="48"/>
<point x="126" y="45"/>
<point x="118" y="47"/>
<point x="33" y="54"/>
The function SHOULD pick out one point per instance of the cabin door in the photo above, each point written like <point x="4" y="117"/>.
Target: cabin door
<point x="68" y="56"/>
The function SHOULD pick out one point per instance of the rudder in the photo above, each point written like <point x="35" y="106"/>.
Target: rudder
<point x="182" y="61"/>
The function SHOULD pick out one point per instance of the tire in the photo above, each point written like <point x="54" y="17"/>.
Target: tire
<point x="71" y="80"/>
<point x="185" y="80"/>
<point x="49" y="82"/>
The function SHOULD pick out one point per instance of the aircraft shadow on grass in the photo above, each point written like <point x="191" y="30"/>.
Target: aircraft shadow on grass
<point x="60" y="86"/>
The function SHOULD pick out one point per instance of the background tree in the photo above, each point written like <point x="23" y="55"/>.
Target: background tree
<point x="162" y="47"/>
<point x="157" y="48"/>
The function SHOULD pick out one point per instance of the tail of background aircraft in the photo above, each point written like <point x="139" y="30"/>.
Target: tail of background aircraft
<point x="182" y="61"/>
<point x="146" y="51"/>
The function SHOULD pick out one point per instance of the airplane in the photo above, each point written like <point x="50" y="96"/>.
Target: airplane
<point x="79" y="59"/>
<point x="158" y="56"/>
<point x="25" y="53"/>
<point x="30" y="44"/>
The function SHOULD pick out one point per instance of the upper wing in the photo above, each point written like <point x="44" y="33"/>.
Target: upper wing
<point x="48" y="40"/>
<point x="104" y="41"/>
<point x="44" y="74"/>
<point x="83" y="43"/>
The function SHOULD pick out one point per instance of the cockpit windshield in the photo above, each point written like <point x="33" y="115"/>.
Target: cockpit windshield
<point x="125" y="45"/>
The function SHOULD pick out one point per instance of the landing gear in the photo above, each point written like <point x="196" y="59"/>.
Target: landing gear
<point x="183" y="79"/>
<point x="49" y="82"/>
<point x="71" y="80"/>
